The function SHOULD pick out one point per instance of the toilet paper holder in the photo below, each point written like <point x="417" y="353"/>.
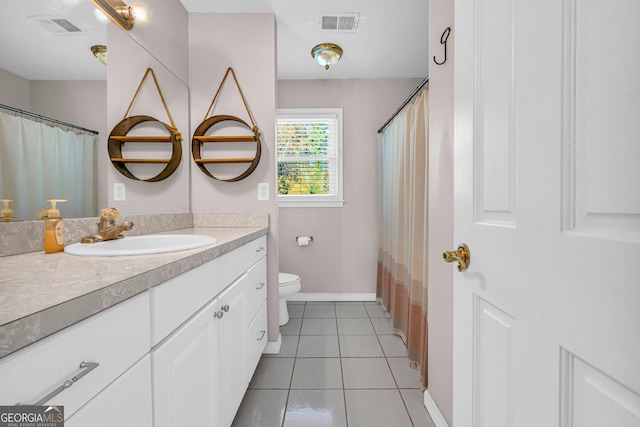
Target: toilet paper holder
<point x="309" y="238"/>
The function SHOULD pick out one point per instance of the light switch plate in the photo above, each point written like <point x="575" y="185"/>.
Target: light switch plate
<point x="119" y="192"/>
<point x="263" y="191"/>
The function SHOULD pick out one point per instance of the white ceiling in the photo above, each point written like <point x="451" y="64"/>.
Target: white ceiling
<point x="390" y="40"/>
<point x="29" y="50"/>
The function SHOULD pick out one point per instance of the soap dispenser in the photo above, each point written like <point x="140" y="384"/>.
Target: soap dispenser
<point x="6" y="213"/>
<point x="53" y="229"/>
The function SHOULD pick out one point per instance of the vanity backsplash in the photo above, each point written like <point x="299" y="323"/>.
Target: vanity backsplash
<point x="27" y="236"/>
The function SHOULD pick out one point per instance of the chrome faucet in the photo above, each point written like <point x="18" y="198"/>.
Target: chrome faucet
<point x="107" y="227"/>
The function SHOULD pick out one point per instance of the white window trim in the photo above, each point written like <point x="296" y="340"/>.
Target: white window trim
<point x="315" y="200"/>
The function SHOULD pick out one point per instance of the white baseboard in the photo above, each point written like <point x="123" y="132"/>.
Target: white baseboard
<point x="434" y="412"/>
<point x="273" y="347"/>
<point x="306" y="296"/>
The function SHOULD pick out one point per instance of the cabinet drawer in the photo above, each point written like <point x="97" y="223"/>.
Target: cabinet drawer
<point x="236" y="263"/>
<point x="115" y="338"/>
<point x="253" y="251"/>
<point x="255" y="286"/>
<point x="257" y="340"/>
<point x="126" y="402"/>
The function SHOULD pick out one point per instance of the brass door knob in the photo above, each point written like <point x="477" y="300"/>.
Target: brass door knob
<point x="461" y="255"/>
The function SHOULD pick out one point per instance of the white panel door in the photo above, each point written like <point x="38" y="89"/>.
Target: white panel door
<point x="547" y="198"/>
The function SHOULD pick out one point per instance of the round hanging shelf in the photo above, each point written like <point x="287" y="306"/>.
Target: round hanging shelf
<point x="118" y="138"/>
<point x="199" y="138"/>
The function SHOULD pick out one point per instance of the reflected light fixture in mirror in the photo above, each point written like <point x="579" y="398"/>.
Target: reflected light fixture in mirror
<point x="121" y="14"/>
<point x="100" y="52"/>
<point x="326" y="54"/>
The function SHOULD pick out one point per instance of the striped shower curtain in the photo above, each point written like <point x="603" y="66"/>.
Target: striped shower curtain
<point x="402" y="243"/>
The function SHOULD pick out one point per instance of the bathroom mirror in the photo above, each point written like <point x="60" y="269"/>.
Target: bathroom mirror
<point x="73" y="69"/>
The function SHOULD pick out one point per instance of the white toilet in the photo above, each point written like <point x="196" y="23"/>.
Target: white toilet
<point x="289" y="284"/>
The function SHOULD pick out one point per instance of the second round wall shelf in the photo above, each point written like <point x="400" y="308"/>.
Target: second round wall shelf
<point x="200" y="138"/>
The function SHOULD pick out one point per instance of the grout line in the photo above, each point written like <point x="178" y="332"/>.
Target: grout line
<point x="295" y="359"/>
<point x="344" y="393"/>
<point x="406" y="408"/>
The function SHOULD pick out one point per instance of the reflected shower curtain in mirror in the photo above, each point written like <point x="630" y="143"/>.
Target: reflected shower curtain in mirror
<point x="46" y="163"/>
<point x="402" y="230"/>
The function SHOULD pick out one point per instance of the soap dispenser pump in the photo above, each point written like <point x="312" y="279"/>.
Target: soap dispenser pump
<point x="6" y="213"/>
<point x="53" y="229"/>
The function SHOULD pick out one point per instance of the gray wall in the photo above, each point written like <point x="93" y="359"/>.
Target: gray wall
<point x="343" y="255"/>
<point x="14" y="90"/>
<point x="217" y="42"/>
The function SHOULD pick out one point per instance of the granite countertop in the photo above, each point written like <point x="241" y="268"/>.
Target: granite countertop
<point x="41" y="294"/>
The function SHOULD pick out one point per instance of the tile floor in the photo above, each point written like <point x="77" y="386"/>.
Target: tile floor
<point x="339" y="365"/>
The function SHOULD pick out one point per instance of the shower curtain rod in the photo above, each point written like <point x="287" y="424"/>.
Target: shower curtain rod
<point x="404" y="104"/>
<point x="47" y="119"/>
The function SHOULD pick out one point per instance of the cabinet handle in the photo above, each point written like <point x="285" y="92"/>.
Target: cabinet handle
<point x="218" y="314"/>
<point x="226" y="308"/>
<point x="261" y="336"/>
<point x="260" y="249"/>
<point x="87" y="366"/>
<point x="261" y="286"/>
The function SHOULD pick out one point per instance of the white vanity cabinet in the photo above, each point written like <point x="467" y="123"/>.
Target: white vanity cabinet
<point x="200" y="322"/>
<point x="180" y="354"/>
<point x="115" y="339"/>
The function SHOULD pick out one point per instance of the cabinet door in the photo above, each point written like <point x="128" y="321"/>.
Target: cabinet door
<point x="126" y="402"/>
<point x="184" y="374"/>
<point x="232" y="351"/>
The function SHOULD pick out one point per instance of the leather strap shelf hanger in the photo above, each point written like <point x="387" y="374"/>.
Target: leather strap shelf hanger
<point x="200" y="137"/>
<point x="119" y="137"/>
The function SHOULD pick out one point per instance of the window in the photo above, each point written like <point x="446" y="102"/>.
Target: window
<point x="310" y="157"/>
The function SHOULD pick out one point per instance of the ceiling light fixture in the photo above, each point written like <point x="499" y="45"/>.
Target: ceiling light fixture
<point x="100" y="52"/>
<point x="326" y="54"/>
<point x="122" y="15"/>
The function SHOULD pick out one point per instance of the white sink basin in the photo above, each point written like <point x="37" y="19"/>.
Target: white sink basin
<point x="141" y="245"/>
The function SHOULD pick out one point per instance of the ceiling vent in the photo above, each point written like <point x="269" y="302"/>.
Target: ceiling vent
<point x="55" y="25"/>
<point x="340" y="21"/>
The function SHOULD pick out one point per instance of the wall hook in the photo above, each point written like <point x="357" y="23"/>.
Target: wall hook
<point x="443" y="40"/>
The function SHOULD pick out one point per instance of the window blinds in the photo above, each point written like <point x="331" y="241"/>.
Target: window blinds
<point x="307" y="152"/>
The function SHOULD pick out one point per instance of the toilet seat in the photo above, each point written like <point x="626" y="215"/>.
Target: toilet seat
<point x="287" y="279"/>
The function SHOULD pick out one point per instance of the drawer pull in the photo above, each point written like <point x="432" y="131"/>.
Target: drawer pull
<point x="260" y="249"/>
<point x="226" y="308"/>
<point x="261" y="336"/>
<point x="261" y="286"/>
<point x="218" y="314"/>
<point x="86" y="366"/>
